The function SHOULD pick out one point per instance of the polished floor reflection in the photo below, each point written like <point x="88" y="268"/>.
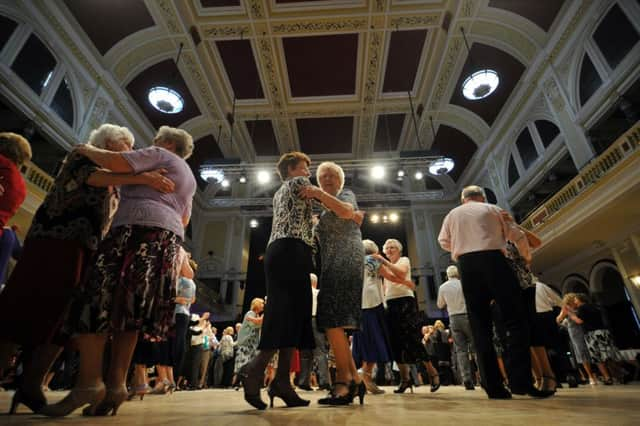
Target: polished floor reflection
<point x="598" y="405"/>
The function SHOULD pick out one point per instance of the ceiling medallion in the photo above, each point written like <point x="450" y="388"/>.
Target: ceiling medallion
<point x="442" y="166"/>
<point x="165" y="100"/>
<point x="480" y="84"/>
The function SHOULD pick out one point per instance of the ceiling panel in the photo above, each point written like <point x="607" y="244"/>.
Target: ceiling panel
<point x="240" y="64"/>
<point x="509" y="71"/>
<point x="321" y="65"/>
<point x="540" y="12"/>
<point x="165" y="74"/>
<point x="388" y="132"/>
<point x="108" y="22"/>
<point x="219" y="3"/>
<point x="263" y="137"/>
<point x="331" y="135"/>
<point x="451" y="142"/>
<point x="405" y="51"/>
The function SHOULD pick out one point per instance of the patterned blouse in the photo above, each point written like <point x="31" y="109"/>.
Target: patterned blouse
<point x="519" y="266"/>
<point x="292" y="214"/>
<point x="75" y="210"/>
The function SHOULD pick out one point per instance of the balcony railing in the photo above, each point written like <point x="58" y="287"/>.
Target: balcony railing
<point x="37" y="176"/>
<point x="613" y="157"/>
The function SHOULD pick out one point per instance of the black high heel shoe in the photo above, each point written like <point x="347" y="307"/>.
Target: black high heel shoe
<point x="251" y="387"/>
<point x="435" y="386"/>
<point x="404" y="385"/>
<point x="34" y="404"/>
<point x="287" y="394"/>
<point x="109" y="405"/>
<point x="334" y="399"/>
<point x="360" y="390"/>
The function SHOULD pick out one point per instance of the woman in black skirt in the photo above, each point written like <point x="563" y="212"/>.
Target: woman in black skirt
<point x="404" y="323"/>
<point x="287" y="314"/>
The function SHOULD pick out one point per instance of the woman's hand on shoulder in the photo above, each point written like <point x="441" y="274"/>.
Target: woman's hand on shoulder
<point x="309" y="192"/>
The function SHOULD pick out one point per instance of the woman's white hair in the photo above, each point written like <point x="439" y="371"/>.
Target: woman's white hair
<point x="182" y="139"/>
<point x="393" y="242"/>
<point x="370" y="247"/>
<point x="106" y="132"/>
<point x="452" y="272"/>
<point x="335" y="168"/>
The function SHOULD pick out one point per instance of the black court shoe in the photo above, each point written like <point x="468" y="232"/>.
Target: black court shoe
<point x="34" y="404"/>
<point x="287" y="394"/>
<point x="404" y="385"/>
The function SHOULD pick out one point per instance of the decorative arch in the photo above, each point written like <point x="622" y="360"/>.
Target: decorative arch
<point x="575" y="283"/>
<point x="597" y="273"/>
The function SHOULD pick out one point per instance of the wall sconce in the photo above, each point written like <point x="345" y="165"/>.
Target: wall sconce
<point x="635" y="279"/>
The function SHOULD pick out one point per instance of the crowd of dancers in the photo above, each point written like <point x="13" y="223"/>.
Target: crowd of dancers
<point x="103" y="262"/>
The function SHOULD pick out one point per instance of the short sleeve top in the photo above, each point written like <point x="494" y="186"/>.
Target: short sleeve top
<point x="143" y="205"/>
<point x="395" y="290"/>
<point x="74" y="210"/>
<point x="291" y="213"/>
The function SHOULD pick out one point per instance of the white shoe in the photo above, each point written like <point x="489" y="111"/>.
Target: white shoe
<point x="592" y="382"/>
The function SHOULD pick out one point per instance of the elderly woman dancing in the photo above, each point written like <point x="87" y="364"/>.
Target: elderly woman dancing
<point x="60" y="245"/>
<point x="342" y="264"/>
<point x="287" y="262"/>
<point x="249" y="335"/>
<point x="404" y="323"/>
<point x="133" y="279"/>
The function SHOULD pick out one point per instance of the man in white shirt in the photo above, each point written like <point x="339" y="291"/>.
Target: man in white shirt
<point x="476" y="233"/>
<point x="450" y="296"/>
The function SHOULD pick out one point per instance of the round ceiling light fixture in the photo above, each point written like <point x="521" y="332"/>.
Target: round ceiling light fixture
<point x="442" y="166"/>
<point x="480" y="84"/>
<point x="165" y="100"/>
<point x="211" y="174"/>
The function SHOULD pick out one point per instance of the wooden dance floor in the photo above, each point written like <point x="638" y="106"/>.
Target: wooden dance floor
<point x="452" y="405"/>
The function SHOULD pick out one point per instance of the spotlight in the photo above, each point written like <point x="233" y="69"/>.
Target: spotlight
<point x="242" y="179"/>
<point x="377" y="172"/>
<point x="400" y="173"/>
<point x="418" y="175"/>
<point x="253" y="223"/>
<point x="225" y="183"/>
<point x="393" y="217"/>
<point x="264" y="177"/>
<point x="375" y="218"/>
<point x="385" y="218"/>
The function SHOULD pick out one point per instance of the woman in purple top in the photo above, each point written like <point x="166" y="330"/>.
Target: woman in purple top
<point x="131" y="286"/>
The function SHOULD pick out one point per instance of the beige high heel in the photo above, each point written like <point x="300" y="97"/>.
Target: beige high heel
<point x="75" y="399"/>
<point x="370" y="384"/>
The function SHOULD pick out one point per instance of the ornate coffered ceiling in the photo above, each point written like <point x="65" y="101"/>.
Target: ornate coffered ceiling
<point x="330" y="77"/>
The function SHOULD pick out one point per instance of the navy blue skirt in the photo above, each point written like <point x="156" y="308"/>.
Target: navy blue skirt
<point x="372" y="342"/>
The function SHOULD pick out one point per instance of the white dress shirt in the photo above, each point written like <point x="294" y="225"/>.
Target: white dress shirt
<point x="450" y="295"/>
<point x="476" y="226"/>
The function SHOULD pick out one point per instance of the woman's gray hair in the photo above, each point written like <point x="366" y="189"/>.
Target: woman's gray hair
<point x="452" y="272"/>
<point x="335" y="168"/>
<point x="394" y="242"/>
<point x="106" y="132"/>
<point x="370" y="247"/>
<point x="182" y="139"/>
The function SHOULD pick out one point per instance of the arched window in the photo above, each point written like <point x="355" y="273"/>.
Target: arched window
<point x="7" y="27"/>
<point x="62" y="102"/>
<point x="547" y="131"/>
<point x="513" y="174"/>
<point x="615" y="36"/>
<point x="35" y="64"/>
<point x="590" y="80"/>
<point x="526" y="148"/>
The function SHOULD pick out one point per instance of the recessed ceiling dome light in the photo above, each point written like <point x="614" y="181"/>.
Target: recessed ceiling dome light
<point x="442" y="166"/>
<point x="480" y="84"/>
<point x="165" y="100"/>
